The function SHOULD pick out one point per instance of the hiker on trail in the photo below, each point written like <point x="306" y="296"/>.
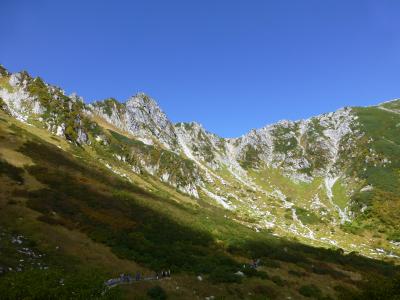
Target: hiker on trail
<point x="169" y="273"/>
<point x="157" y="275"/>
<point x="137" y="276"/>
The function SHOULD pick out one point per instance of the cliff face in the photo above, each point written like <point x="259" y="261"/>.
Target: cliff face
<point x="139" y="116"/>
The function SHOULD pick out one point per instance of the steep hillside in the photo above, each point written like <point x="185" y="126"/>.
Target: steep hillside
<point x="146" y="194"/>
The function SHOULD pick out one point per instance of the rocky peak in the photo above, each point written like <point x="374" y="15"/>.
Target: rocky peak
<point x="145" y="119"/>
<point x="145" y="113"/>
<point x="140" y="116"/>
<point x="142" y="101"/>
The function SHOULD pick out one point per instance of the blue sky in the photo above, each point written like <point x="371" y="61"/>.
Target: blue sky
<point x="230" y="65"/>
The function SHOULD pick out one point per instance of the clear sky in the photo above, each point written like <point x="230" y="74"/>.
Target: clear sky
<point x="230" y="65"/>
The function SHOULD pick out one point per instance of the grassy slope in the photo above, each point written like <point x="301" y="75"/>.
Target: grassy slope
<point x="83" y="217"/>
<point x="378" y="165"/>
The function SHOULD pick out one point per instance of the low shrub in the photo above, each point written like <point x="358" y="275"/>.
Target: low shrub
<point x="266" y="291"/>
<point x="11" y="171"/>
<point x="394" y="236"/>
<point x="157" y="293"/>
<point x="307" y="216"/>
<point x="55" y="284"/>
<point x="310" y="291"/>
<point x="278" y="280"/>
<point x="351" y="228"/>
<point x="273" y="264"/>
<point x="381" y="288"/>
<point x="297" y="273"/>
<point x="221" y="275"/>
<point x="250" y="272"/>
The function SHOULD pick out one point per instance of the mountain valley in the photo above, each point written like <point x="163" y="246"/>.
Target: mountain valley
<point x="117" y="187"/>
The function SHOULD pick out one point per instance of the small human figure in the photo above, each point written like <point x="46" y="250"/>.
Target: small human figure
<point x="137" y="276"/>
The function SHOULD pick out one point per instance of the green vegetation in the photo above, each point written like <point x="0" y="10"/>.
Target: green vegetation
<point x="340" y="197"/>
<point x="392" y="104"/>
<point x="28" y="273"/>
<point x="11" y="171"/>
<point x="278" y="280"/>
<point x="108" y="105"/>
<point x="310" y="291"/>
<point x="314" y="152"/>
<point x="3" y="105"/>
<point x="55" y="284"/>
<point x="157" y="232"/>
<point x="297" y="273"/>
<point x="71" y="191"/>
<point x="207" y="152"/>
<point x="59" y="109"/>
<point x="131" y="230"/>
<point x="271" y="263"/>
<point x="378" y="164"/>
<point x="225" y="275"/>
<point x="381" y="128"/>
<point x="307" y="216"/>
<point x="380" y="288"/>
<point x="3" y="71"/>
<point x="352" y="227"/>
<point x="394" y="236"/>
<point x="282" y="143"/>
<point x="181" y="171"/>
<point x="124" y="140"/>
<point x="157" y="293"/>
<point x="39" y="89"/>
<point x="251" y="159"/>
<point x="4" y="84"/>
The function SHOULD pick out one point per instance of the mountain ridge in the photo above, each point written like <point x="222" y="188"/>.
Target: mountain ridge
<point x="297" y="178"/>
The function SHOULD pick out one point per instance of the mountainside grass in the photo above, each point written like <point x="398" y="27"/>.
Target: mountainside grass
<point x="79" y="195"/>
<point x="378" y="164"/>
<point x="340" y="196"/>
